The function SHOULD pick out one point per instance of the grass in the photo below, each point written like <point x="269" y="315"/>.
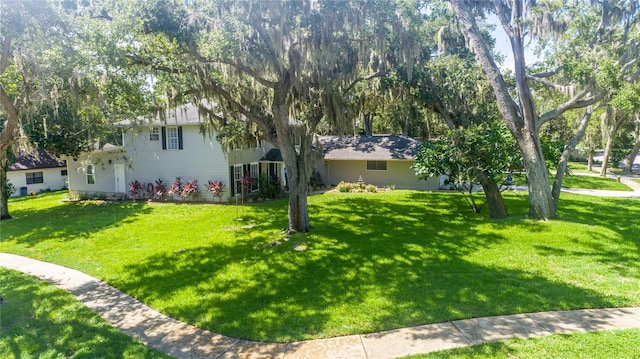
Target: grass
<point x="372" y="262"/>
<point x="40" y="321"/>
<point x="596" y="345"/>
<point x="599" y="183"/>
<point x="584" y="182"/>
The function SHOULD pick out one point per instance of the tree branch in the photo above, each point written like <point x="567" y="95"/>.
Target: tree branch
<point x="626" y="66"/>
<point x="566" y="153"/>
<point x="6" y="53"/>
<point x="193" y="50"/>
<point x="212" y="87"/>
<point x="171" y="70"/>
<point x="364" y="78"/>
<point x="273" y="58"/>
<point x="12" y="122"/>
<point x="508" y="108"/>
<point x="548" y="73"/>
<point x="576" y="102"/>
<point x="549" y="83"/>
<point x="502" y="16"/>
<point x="252" y="73"/>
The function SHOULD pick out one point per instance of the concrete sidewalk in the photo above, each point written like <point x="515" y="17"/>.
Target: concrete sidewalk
<point x="186" y="341"/>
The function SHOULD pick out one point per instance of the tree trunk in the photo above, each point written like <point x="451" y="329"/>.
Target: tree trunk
<point x="632" y="156"/>
<point x="519" y="116"/>
<point x="540" y="196"/>
<point x="564" y="158"/>
<point x="4" y="196"/>
<point x="6" y="138"/>
<point x="607" y="149"/>
<point x="590" y="160"/>
<point x="298" y="190"/>
<point x="405" y="127"/>
<point x="497" y="209"/>
<point x="296" y="162"/>
<point x="368" y="124"/>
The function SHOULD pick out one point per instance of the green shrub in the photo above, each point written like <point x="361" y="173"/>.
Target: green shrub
<point x="345" y="186"/>
<point x="372" y="188"/>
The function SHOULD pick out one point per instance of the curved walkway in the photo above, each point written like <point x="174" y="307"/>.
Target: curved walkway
<point x="186" y="341"/>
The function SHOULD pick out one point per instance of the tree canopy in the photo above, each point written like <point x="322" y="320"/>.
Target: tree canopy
<point x="283" y="67"/>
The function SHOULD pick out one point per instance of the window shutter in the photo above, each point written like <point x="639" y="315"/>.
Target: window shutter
<point x="179" y="137"/>
<point x="233" y="181"/>
<point x="164" y="138"/>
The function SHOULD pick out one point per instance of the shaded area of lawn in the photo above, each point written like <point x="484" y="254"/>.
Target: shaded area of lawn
<point x="372" y="261"/>
<point x="596" y="345"/>
<point x="39" y="320"/>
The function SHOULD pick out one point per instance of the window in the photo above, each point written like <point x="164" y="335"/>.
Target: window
<point x="91" y="174"/>
<point x="254" y="173"/>
<point x="35" y="177"/>
<point x="172" y="138"/>
<point x="63" y="172"/>
<point x="376" y="165"/>
<point x="154" y="134"/>
<point x="237" y="178"/>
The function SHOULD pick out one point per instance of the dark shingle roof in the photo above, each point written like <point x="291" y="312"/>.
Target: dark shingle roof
<point x="387" y="147"/>
<point x="38" y="160"/>
<point x="273" y="155"/>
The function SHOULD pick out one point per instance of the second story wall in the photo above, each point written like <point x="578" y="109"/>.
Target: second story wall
<point x="167" y="152"/>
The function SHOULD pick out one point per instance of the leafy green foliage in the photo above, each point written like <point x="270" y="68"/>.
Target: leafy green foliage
<point x="465" y="155"/>
<point x="268" y="187"/>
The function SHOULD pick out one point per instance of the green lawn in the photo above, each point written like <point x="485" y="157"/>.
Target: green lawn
<point x="596" y="345"/>
<point x="372" y="261"/>
<point x="580" y="181"/>
<point x="591" y="182"/>
<point x="39" y="320"/>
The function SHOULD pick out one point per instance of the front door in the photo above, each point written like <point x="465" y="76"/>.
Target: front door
<point x="120" y="181"/>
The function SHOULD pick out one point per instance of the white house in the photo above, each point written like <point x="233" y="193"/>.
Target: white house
<point x="33" y="173"/>
<point x="163" y="150"/>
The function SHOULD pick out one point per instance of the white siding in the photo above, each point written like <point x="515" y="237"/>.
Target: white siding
<point x="398" y="173"/>
<point x="201" y="158"/>
<point x="53" y="180"/>
<point x="104" y="173"/>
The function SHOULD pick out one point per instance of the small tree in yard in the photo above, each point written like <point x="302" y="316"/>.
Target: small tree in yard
<point x="481" y="154"/>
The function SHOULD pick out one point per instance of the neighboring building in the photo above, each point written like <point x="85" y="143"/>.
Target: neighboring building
<point x="33" y="173"/>
<point x="380" y="160"/>
<point x="173" y="147"/>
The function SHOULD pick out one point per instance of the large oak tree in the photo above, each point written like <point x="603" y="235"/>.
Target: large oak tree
<point x="586" y="42"/>
<point x="284" y="66"/>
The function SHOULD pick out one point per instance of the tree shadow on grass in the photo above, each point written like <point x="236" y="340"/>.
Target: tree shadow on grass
<point x="615" y="234"/>
<point x="405" y="266"/>
<point x="69" y="220"/>
<point x="39" y="320"/>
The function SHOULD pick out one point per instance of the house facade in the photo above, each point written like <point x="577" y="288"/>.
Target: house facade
<point x="33" y="173"/>
<point x="175" y="146"/>
<point x="381" y="160"/>
<point x="164" y="150"/>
